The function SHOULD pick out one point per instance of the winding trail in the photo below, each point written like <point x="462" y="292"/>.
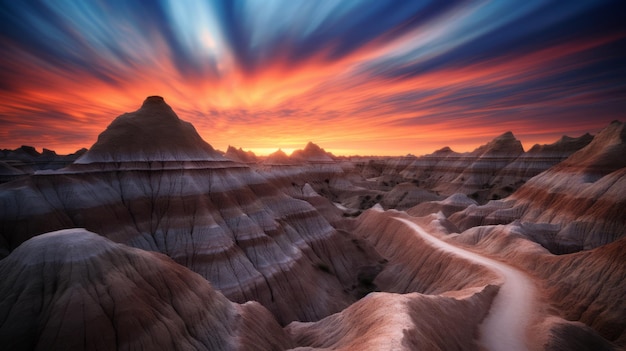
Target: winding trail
<point x="505" y="326"/>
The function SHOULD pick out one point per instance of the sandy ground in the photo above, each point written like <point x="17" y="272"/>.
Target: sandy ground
<point x="506" y="325"/>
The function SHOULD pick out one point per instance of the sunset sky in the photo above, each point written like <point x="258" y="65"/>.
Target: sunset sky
<point x="356" y="77"/>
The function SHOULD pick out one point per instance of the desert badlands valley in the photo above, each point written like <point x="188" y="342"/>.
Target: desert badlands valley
<point x="153" y="240"/>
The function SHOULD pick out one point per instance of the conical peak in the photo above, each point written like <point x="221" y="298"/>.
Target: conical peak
<point x="152" y="133"/>
<point x="312" y="152"/>
<point x="506" y="136"/>
<point x="503" y="144"/>
<point x="444" y="150"/>
<point x="310" y="146"/>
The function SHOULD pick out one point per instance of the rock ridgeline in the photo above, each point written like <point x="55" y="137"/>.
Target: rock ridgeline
<point x="26" y="160"/>
<point x="239" y="155"/>
<point x="492" y="171"/>
<point x="311" y="165"/>
<point x="578" y="203"/>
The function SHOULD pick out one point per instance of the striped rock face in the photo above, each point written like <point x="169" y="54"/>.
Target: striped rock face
<point x="492" y="171"/>
<point x="76" y="290"/>
<point x="577" y="204"/>
<point x="168" y="191"/>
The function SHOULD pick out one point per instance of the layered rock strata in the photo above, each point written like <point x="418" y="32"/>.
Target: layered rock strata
<point x="76" y="290"/>
<point x="217" y="217"/>
<point x="579" y="203"/>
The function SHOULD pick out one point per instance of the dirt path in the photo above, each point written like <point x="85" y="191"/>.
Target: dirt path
<point x="505" y="326"/>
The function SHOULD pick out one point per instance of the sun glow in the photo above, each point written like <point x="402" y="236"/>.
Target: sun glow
<point x="269" y="80"/>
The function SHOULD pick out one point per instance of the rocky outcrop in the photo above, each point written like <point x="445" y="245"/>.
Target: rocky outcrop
<point x="538" y="159"/>
<point x="76" y="290"/>
<point x="239" y="155"/>
<point x="492" y="171"/>
<point x="447" y="172"/>
<point x="386" y="321"/>
<point x="312" y="153"/>
<point x="217" y="217"/>
<point x="580" y="200"/>
<point x="448" y="206"/>
<point x="413" y="266"/>
<point x="406" y="195"/>
<point x="278" y="157"/>
<point x="27" y="160"/>
<point x="8" y="172"/>
<point x="311" y="165"/>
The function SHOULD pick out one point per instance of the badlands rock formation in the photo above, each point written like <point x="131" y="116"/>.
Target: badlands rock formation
<point x="27" y="160"/>
<point x="239" y="155"/>
<point x="311" y="165"/>
<point x="492" y="171"/>
<point x="180" y="239"/>
<point x="141" y="136"/>
<point x="76" y="290"/>
<point x="577" y="204"/>
<point x="217" y="217"/>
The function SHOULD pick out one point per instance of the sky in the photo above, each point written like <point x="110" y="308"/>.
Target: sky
<point x="356" y="77"/>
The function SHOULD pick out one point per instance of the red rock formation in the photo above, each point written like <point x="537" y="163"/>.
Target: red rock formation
<point x="413" y="266"/>
<point x="386" y="321"/>
<point x="75" y="290"/>
<point x="586" y="286"/>
<point x="447" y="172"/>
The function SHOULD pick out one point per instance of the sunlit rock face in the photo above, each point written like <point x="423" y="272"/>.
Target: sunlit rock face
<point x="388" y="321"/>
<point x="585" y="286"/>
<point x="312" y="153"/>
<point x="76" y="290"/>
<point x="217" y="217"/>
<point x="579" y="203"/>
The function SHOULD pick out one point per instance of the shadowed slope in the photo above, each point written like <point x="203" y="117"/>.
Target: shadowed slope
<point x="75" y="290"/>
<point x="152" y="133"/>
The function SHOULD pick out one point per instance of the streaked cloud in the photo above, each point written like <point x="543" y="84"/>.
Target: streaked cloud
<point x="368" y="77"/>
